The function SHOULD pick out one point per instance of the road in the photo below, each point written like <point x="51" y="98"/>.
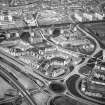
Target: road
<point x="13" y="64"/>
<point x="95" y="29"/>
<point x="8" y="100"/>
<point x="73" y="88"/>
<point x="4" y="72"/>
<point x="33" y="27"/>
<point x="20" y="68"/>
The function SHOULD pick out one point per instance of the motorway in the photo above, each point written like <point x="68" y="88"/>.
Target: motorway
<point x="22" y="68"/>
<point x="41" y="84"/>
<point x="4" y="72"/>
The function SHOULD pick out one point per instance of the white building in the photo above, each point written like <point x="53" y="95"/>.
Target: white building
<point x="99" y="16"/>
<point x="6" y="18"/>
<point x="78" y="17"/>
<point x="88" y="16"/>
